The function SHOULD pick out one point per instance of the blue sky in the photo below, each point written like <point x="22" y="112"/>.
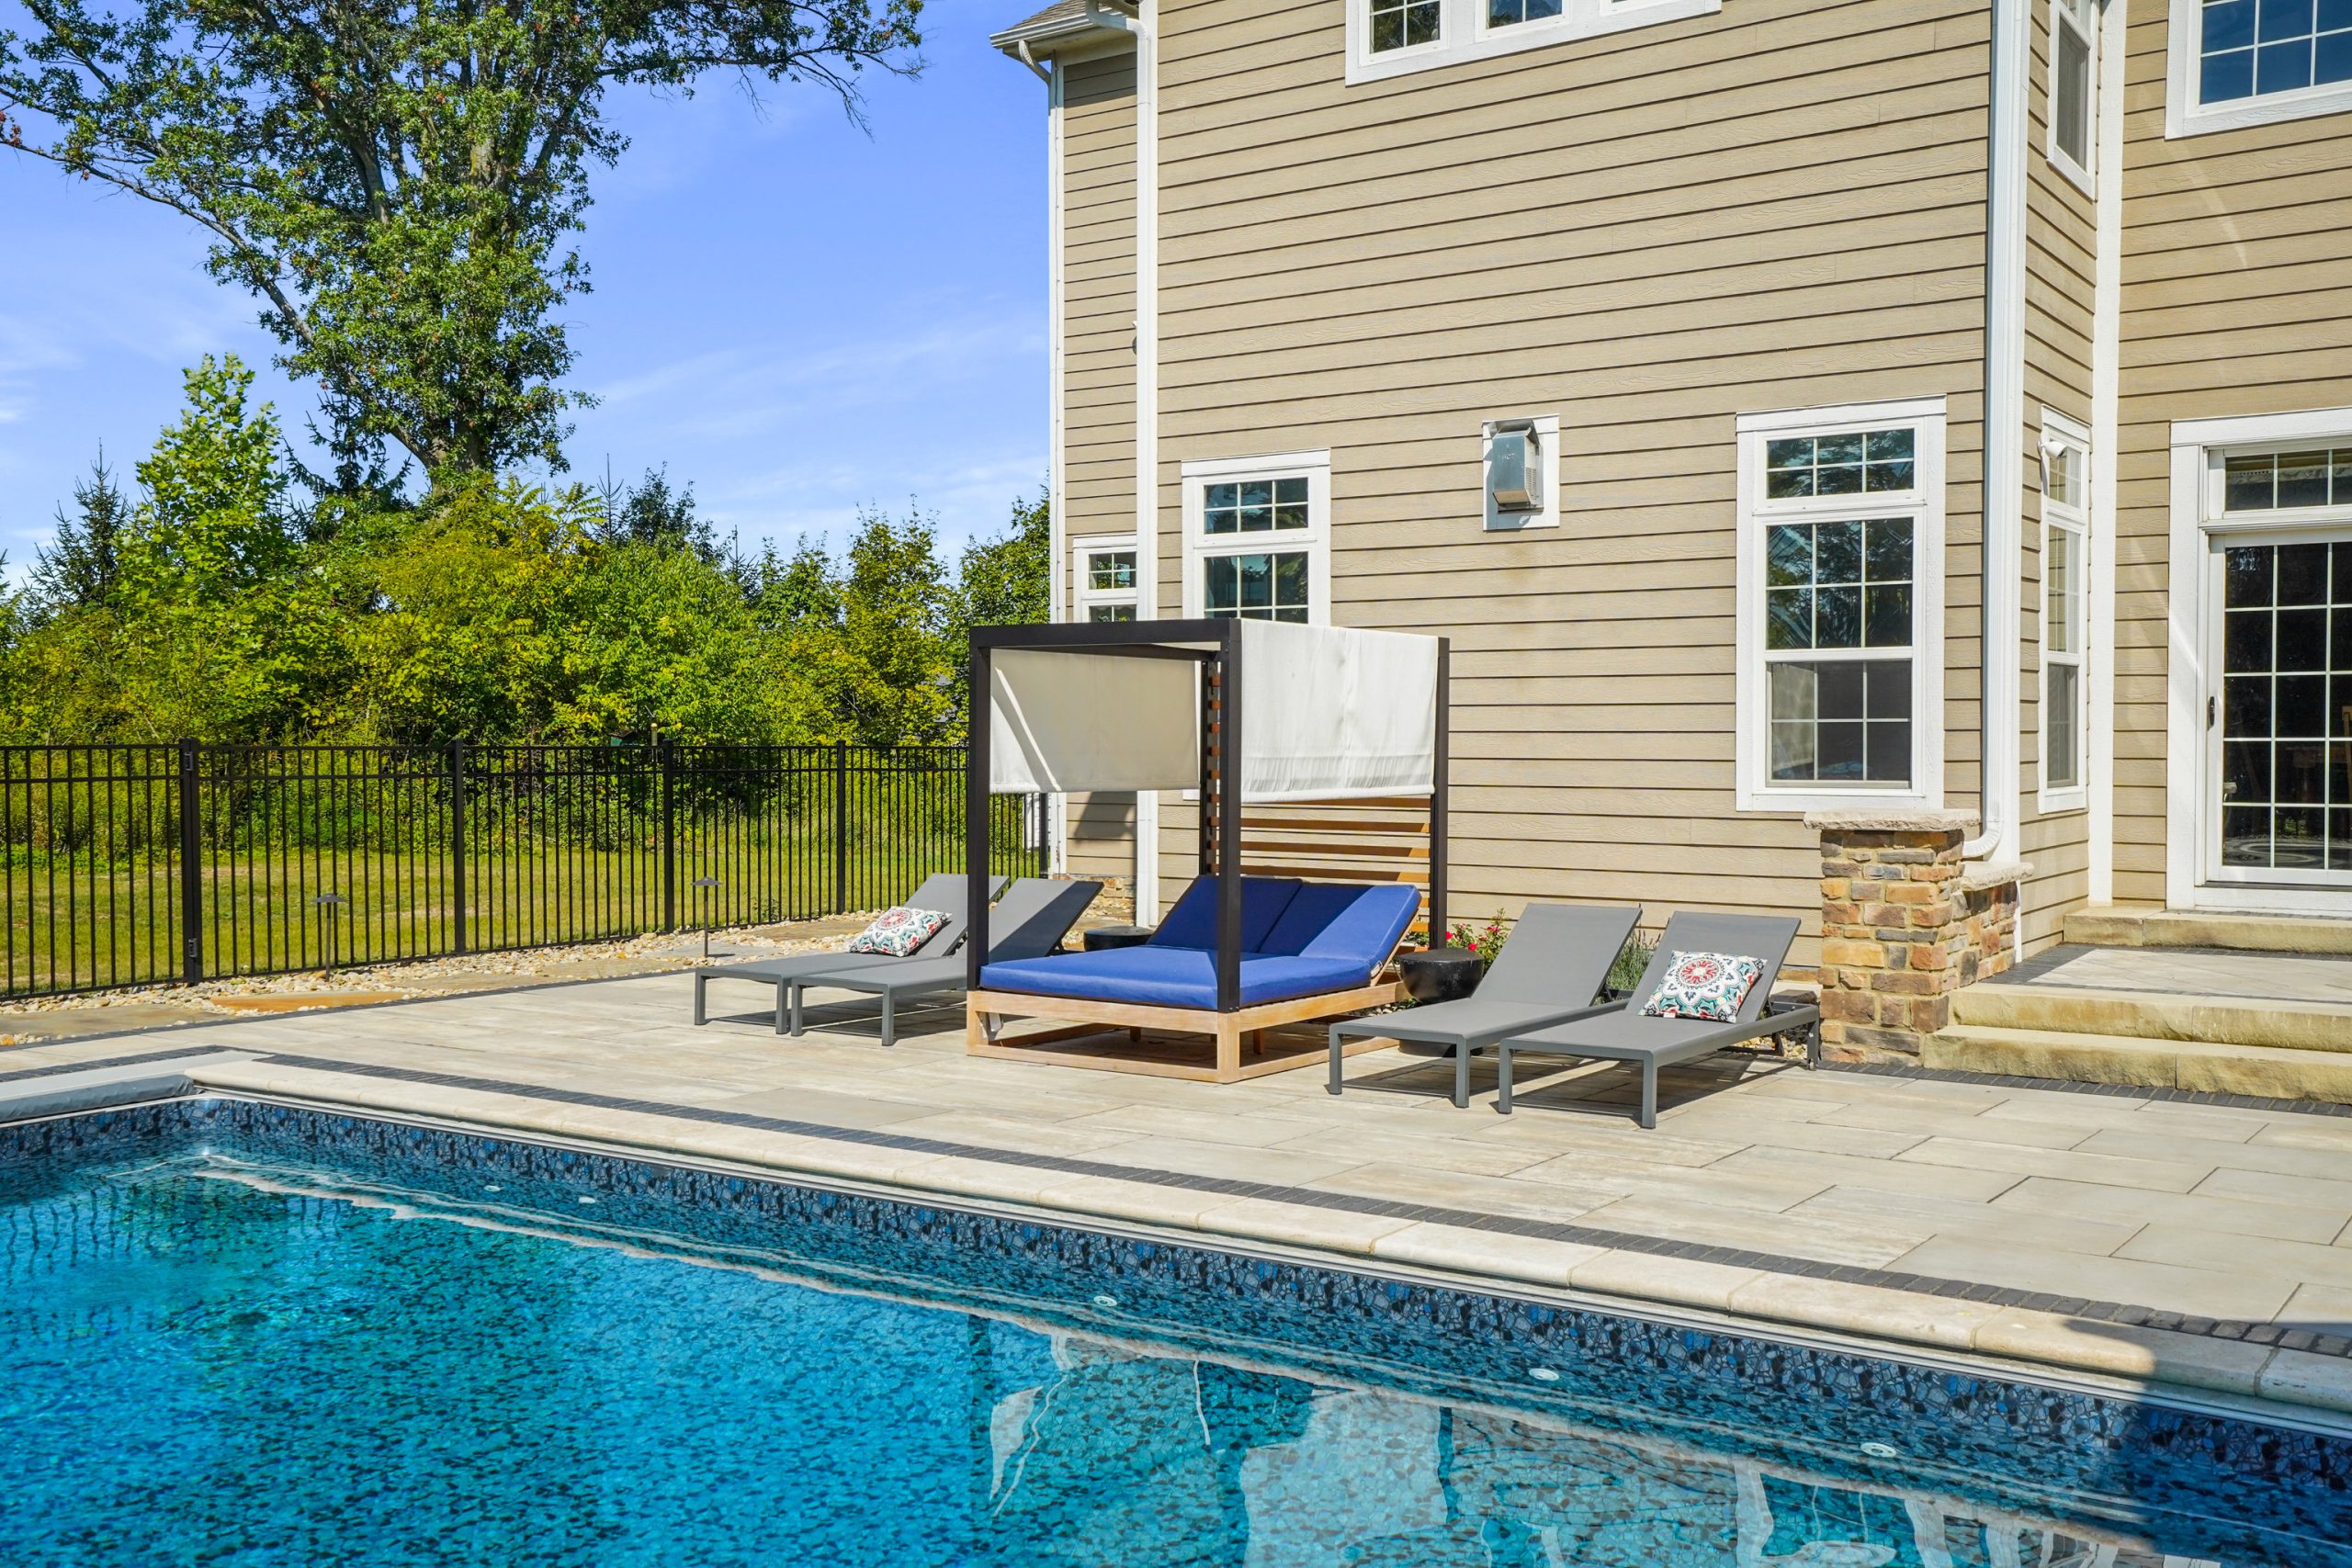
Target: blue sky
<point x="795" y="316"/>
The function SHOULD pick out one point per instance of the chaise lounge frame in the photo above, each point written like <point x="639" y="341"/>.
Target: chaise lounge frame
<point x="1215" y="647"/>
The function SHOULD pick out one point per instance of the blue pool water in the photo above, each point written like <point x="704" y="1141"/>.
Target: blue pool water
<point x="240" y="1335"/>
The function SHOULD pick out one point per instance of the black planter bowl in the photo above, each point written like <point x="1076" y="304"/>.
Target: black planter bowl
<point x="1441" y="974"/>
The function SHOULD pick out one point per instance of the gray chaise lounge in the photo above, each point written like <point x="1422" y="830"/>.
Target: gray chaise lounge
<point x="1550" y="969"/>
<point x="1035" y="915"/>
<point x="945" y="892"/>
<point x="1624" y="1034"/>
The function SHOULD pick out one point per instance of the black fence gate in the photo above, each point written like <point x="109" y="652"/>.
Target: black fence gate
<point x="128" y="865"/>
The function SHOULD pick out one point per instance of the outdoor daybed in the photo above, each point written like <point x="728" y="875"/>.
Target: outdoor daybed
<point x="1232" y="711"/>
<point x="1319" y="945"/>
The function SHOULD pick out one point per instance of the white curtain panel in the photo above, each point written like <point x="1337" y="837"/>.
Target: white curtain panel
<point x="1064" y="721"/>
<point x="1329" y="713"/>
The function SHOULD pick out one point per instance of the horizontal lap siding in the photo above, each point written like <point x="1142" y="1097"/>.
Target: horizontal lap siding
<point x="2237" y="299"/>
<point x="2062" y="246"/>
<point x="1646" y="235"/>
<point x="1099" y="366"/>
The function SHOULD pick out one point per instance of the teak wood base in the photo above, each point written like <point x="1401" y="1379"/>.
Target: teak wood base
<point x="1240" y="1053"/>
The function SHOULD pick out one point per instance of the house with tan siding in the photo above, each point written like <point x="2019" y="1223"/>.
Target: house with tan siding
<point x="1785" y="406"/>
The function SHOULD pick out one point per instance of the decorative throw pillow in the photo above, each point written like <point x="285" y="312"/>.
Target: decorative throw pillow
<point x="1704" y="984"/>
<point x="899" y="932"/>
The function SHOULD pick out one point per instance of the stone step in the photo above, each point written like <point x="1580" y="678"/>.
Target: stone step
<point x="2151" y="927"/>
<point x="2149" y="1063"/>
<point x="2157" y="1016"/>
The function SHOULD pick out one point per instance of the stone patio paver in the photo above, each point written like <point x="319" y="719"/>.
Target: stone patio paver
<point x="2201" y="1211"/>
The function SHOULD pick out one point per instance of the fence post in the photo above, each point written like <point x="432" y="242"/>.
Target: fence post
<point x="191" y="869"/>
<point x="458" y="845"/>
<point x="665" y="754"/>
<point x="841" y="827"/>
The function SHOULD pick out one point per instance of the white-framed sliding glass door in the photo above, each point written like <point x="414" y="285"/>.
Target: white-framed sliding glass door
<point x="2263" y="584"/>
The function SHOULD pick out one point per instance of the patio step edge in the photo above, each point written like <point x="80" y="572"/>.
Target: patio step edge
<point x="2305" y="934"/>
<point x="2309" y="1026"/>
<point x="2198" y="1066"/>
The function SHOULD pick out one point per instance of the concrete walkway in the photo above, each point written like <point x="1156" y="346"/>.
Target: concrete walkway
<point x="2202" y="1245"/>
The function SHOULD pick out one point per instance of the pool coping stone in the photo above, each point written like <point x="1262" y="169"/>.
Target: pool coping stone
<point x="1887" y="1308"/>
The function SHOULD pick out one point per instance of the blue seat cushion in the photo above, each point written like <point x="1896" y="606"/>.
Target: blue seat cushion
<point x="1193" y="922"/>
<point x="1360" y="922"/>
<point x="1171" y="976"/>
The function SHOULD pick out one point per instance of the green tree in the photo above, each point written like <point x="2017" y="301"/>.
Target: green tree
<point x="396" y="183"/>
<point x="1001" y="581"/>
<point x="81" y="566"/>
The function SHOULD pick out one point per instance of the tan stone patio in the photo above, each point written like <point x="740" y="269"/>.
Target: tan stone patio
<point x="2196" y="1244"/>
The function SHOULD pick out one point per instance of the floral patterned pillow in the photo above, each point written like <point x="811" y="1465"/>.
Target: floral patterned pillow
<point x="1704" y="984"/>
<point x="897" y="933"/>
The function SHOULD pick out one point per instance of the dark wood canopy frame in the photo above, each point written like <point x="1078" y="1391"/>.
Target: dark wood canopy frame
<point x="1215" y="647"/>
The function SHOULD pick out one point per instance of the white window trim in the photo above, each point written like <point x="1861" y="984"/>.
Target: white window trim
<point x="1547" y="442"/>
<point x="1753" y="787"/>
<point x="2083" y="175"/>
<point x="1315" y="539"/>
<point x="1084" y="598"/>
<point x="2198" y="448"/>
<point x="2185" y="116"/>
<point x="2057" y="429"/>
<point x="1463" y="33"/>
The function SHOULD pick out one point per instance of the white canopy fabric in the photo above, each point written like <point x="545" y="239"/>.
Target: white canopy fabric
<point x="1328" y="713"/>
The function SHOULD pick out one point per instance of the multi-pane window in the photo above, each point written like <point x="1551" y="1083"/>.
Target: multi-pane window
<point x="1255" y="506"/>
<point x="1261" y="586"/>
<point x="1254" y="540"/>
<point x="1401" y="24"/>
<point x="2281" y="482"/>
<point x="1511" y="13"/>
<point x="1860" y="462"/>
<point x="2065" y="533"/>
<point x="1838" y="597"/>
<point x="1840" y="586"/>
<point x="2251" y="49"/>
<point x="1107" y="587"/>
<point x="2073" y="26"/>
<point x="2286" y="705"/>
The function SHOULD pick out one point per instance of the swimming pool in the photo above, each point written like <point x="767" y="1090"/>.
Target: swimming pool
<point x="234" y="1333"/>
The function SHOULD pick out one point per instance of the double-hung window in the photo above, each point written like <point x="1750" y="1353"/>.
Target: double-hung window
<point x="1104" y="583"/>
<point x="2065" y="561"/>
<point x="2238" y="63"/>
<point x="2073" y="86"/>
<point x="1256" y="538"/>
<point x="1840" y="549"/>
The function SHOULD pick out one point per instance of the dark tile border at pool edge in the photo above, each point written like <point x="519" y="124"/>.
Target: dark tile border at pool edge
<point x="2126" y="1313"/>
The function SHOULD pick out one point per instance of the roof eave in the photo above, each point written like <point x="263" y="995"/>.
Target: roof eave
<point x="1096" y="23"/>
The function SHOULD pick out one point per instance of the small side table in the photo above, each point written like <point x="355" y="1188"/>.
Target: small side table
<point x="1441" y="974"/>
<point x="1102" y="939"/>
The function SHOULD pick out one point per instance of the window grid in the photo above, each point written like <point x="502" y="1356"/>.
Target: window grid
<point x="1109" y="590"/>
<point x="2254" y="49"/>
<point x="1860" y="462"/>
<point x="1254" y="506"/>
<point x="1256" y="586"/>
<point x="2278" y="481"/>
<point x="1511" y="13"/>
<point x="1403" y="24"/>
<point x="2287" y="706"/>
<point x="1837" y="594"/>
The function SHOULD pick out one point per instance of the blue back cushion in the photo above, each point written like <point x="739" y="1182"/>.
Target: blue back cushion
<point x="1193" y="922"/>
<point x="1359" y="923"/>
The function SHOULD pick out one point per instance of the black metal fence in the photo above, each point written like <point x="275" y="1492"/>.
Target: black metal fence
<point x="128" y="865"/>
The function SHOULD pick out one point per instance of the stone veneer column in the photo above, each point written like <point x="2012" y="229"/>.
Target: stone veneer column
<point x="1904" y="923"/>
